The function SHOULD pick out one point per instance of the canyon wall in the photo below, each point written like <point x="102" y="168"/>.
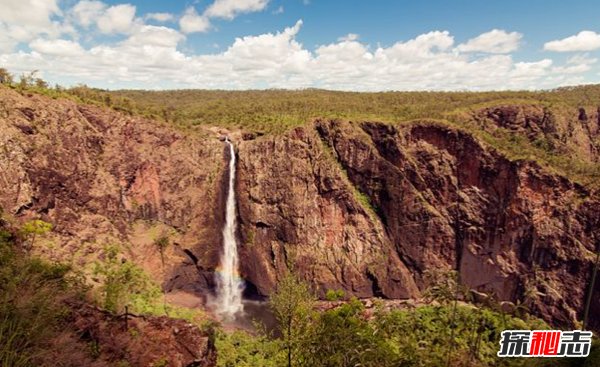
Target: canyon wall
<point x="365" y="207"/>
<point x="103" y="178"/>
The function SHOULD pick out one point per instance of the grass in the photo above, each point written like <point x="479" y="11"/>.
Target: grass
<point x="31" y="304"/>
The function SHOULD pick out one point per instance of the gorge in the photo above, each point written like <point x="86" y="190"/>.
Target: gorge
<point x="362" y="206"/>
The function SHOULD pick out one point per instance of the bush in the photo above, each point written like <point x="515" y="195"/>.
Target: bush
<point x="240" y="349"/>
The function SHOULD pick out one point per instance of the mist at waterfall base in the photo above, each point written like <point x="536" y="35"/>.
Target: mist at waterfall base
<point x="228" y="303"/>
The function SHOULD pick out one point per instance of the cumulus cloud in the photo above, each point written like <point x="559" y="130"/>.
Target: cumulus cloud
<point x="160" y="17"/>
<point x="117" y="19"/>
<point x="22" y="21"/>
<point x="34" y="16"/>
<point x="583" y="41"/>
<point x="496" y="41"/>
<point x="577" y="64"/>
<point x="192" y="22"/>
<point x="229" y="9"/>
<point x="582" y="59"/>
<point x="57" y="47"/>
<point x="349" y="37"/>
<point x="87" y="13"/>
<point x="149" y="58"/>
<point x="155" y="36"/>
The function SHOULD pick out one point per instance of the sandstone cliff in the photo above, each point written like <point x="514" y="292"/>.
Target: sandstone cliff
<point x="102" y="178"/>
<point x="437" y="199"/>
<point x="365" y="207"/>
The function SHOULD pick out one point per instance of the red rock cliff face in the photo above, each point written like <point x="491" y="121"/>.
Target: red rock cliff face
<point x="102" y="178"/>
<point x="441" y="200"/>
<point x="367" y="208"/>
<point x="294" y="199"/>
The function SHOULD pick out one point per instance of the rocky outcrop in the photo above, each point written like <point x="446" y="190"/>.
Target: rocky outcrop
<point x="143" y="341"/>
<point x="103" y="178"/>
<point x="560" y="129"/>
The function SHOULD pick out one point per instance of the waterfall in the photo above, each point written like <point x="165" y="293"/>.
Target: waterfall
<point x="229" y="283"/>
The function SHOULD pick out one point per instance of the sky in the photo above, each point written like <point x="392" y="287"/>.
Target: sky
<point x="375" y="45"/>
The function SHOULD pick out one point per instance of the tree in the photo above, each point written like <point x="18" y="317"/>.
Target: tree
<point x="292" y="304"/>
<point x="41" y="83"/>
<point x="34" y="228"/>
<point x="26" y="80"/>
<point x="162" y="242"/>
<point x="5" y="76"/>
<point x="121" y="280"/>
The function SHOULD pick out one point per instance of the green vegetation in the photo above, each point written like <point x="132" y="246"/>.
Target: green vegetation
<point x="34" y="228"/>
<point x="240" y="349"/>
<point x="292" y="303"/>
<point x="123" y="283"/>
<point x="333" y="296"/>
<point x="352" y="335"/>
<point x="31" y="307"/>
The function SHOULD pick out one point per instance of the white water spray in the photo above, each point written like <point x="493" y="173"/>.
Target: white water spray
<point x="229" y="284"/>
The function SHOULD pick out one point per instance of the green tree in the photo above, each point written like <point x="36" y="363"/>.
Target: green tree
<point x="292" y="304"/>
<point x="32" y="229"/>
<point x="26" y="80"/>
<point x="122" y="281"/>
<point x="344" y="337"/>
<point x="162" y="242"/>
<point x="333" y="296"/>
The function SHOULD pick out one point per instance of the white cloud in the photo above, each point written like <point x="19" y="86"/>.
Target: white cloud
<point x="582" y="59"/>
<point x="496" y="41"/>
<point x="577" y="64"/>
<point x="28" y="13"/>
<point x="229" y="9"/>
<point x="349" y="37"/>
<point x="149" y="58"/>
<point x="22" y="21"/>
<point x="57" y="47"/>
<point x="155" y="36"/>
<point x="279" y="10"/>
<point x="117" y="19"/>
<point x="6" y="42"/>
<point x="87" y="13"/>
<point x="160" y="17"/>
<point x="191" y="22"/>
<point x="584" y="41"/>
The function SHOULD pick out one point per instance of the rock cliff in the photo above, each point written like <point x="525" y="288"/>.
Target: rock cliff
<point x="365" y="207"/>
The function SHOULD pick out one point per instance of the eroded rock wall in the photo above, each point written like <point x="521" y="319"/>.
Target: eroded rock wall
<point x="364" y="207"/>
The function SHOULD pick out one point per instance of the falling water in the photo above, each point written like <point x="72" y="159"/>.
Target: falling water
<point x="229" y="284"/>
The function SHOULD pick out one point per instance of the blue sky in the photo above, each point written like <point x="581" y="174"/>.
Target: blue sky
<point x="344" y="45"/>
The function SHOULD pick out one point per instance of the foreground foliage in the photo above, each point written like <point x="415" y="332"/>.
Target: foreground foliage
<point x="352" y="335"/>
<point x="31" y="307"/>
